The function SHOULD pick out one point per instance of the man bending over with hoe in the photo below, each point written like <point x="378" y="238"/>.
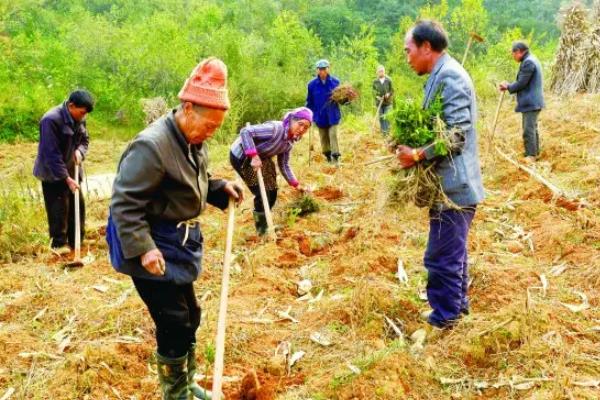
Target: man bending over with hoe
<point x="161" y="187"/>
<point x="254" y="149"/>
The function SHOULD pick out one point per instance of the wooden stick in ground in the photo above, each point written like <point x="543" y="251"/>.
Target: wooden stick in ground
<point x="472" y="36"/>
<point x="77" y="219"/>
<point x="495" y="121"/>
<point x="377" y="114"/>
<point x="467" y="50"/>
<point x="309" y="143"/>
<point x="220" y="346"/>
<point x="265" y="201"/>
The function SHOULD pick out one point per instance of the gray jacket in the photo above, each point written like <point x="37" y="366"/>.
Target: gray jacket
<point x="460" y="171"/>
<point x="381" y="89"/>
<point x="160" y="178"/>
<point x="529" y="85"/>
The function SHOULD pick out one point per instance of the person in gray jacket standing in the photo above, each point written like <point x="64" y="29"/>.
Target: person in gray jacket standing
<point x="153" y="235"/>
<point x="384" y="92"/>
<point x="530" y="97"/>
<point x="446" y="254"/>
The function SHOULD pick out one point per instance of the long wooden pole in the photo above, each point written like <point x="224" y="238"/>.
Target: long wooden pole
<point x="309" y="144"/>
<point x="217" y="393"/>
<point x="77" y="219"/>
<point x="469" y="42"/>
<point x="377" y="114"/>
<point x="495" y="121"/>
<point x="265" y="201"/>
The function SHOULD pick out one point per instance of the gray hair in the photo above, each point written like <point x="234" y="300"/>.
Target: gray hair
<point x="519" y="45"/>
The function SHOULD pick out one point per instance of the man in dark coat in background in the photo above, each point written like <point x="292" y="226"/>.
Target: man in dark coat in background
<point x="530" y="97"/>
<point x="63" y="144"/>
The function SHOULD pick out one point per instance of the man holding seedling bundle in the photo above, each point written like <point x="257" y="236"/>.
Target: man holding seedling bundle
<point x="161" y="187"/>
<point x="459" y="171"/>
<point x="63" y="144"/>
<point x="530" y="97"/>
<point x="326" y="112"/>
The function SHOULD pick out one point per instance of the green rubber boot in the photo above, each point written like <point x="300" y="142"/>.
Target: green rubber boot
<point x="260" y="222"/>
<point x="173" y="378"/>
<point x="198" y="391"/>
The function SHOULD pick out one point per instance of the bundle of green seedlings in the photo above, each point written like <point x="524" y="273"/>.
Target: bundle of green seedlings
<point x="303" y="205"/>
<point x="417" y="127"/>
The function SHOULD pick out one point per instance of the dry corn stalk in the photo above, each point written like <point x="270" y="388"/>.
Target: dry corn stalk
<point x="593" y="61"/>
<point x="569" y="72"/>
<point x="154" y="108"/>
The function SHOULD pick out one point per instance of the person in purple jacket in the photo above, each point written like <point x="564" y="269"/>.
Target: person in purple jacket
<point x="63" y="144"/>
<point x="254" y="149"/>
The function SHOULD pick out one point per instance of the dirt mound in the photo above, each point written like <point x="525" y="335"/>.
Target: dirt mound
<point x="329" y="193"/>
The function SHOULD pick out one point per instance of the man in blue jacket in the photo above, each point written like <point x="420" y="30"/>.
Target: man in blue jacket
<point x="459" y="171"/>
<point x="63" y="143"/>
<point x="326" y="112"/>
<point x="530" y="97"/>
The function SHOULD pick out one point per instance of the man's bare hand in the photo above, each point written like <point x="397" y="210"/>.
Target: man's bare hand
<point x="503" y="86"/>
<point x="406" y="156"/>
<point x="77" y="157"/>
<point x="234" y="191"/>
<point x="154" y="262"/>
<point x="73" y="186"/>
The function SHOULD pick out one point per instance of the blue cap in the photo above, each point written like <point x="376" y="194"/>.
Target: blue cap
<point x="322" y="63"/>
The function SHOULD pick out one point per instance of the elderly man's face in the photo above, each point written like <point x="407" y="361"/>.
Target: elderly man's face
<point x="381" y="73"/>
<point x="323" y="72"/>
<point x="77" y="113"/>
<point x="417" y="57"/>
<point x="518" y="55"/>
<point x="201" y="126"/>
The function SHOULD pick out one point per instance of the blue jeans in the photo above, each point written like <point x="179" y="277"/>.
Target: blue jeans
<point x="383" y="122"/>
<point x="446" y="263"/>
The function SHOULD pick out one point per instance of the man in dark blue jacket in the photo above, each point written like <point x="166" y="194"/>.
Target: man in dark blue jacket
<point x="326" y="112"/>
<point x="530" y="96"/>
<point x="63" y="144"/>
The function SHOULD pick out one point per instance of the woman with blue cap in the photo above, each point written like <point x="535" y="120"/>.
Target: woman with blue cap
<point x="257" y="145"/>
<point x="326" y="112"/>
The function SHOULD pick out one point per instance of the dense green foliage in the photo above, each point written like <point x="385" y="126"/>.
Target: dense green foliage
<point x="124" y="51"/>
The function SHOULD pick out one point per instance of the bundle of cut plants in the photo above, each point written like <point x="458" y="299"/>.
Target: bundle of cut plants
<point x="416" y="127"/>
<point x="344" y="94"/>
<point x="304" y="205"/>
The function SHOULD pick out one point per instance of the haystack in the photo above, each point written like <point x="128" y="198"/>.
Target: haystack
<point x="154" y="108"/>
<point x="569" y="72"/>
<point x="593" y="80"/>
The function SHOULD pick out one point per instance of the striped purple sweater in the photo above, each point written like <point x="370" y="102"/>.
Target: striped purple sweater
<point x="267" y="140"/>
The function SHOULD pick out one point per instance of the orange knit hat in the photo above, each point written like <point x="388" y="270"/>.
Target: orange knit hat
<point x="207" y="85"/>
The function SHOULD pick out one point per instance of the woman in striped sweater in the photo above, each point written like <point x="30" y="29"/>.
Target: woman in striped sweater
<point x="257" y="145"/>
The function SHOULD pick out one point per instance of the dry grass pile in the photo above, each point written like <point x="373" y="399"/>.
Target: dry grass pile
<point x="577" y="63"/>
<point x="593" y="84"/>
<point x="344" y="94"/>
<point x="154" y="108"/>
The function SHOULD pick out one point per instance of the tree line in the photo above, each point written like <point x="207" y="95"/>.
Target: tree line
<point x="124" y="51"/>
